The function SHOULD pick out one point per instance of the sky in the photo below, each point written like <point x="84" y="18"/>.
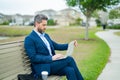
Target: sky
<point x="29" y="7"/>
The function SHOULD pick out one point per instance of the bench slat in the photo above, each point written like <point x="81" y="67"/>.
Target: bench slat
<point x="14" y="77"/>
<point x="11" y="69"/>
<point x="9" y="66"/>
<point x="9" y="73"/>
<point x="54" y="77"/>
<point x="4" y="46"/>
<point x="13" y="55"/>
<point x="10" y="50"/>
<point x="10" y="59"/>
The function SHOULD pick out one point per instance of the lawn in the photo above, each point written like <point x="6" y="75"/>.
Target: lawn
<point x="117" y="33"/>
<point x="91" y="55"/>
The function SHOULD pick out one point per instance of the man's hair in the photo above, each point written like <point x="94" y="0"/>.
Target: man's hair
<point x="39" y="17"/>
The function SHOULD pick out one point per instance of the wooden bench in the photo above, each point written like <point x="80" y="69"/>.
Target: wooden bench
<point x="14" y="61"/>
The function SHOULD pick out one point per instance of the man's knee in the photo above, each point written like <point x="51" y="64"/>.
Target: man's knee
<point x="69" y="70"/>
<point x="69" y="58"/>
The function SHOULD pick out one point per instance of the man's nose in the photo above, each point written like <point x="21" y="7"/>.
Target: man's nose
<point x="45" y="27"/>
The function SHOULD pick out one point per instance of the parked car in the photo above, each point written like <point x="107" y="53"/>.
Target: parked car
<point x="12" y="24"/>
<point x="83" y="24"/>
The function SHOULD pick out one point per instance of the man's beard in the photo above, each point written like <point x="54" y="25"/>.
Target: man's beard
<point x="40" y="31"/>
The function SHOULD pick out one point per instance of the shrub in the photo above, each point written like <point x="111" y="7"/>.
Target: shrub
<point x="114" y="27"/>
<point x="98" y="22"/>
<point x="5" y="23"/>
<point x="51" y="22"/>
<point x="77" y="22"/>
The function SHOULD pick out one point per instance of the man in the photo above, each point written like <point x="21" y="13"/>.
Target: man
<point x="41" y="50"/>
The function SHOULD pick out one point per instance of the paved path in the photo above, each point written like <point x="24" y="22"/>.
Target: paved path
<point x="112" y="69"/>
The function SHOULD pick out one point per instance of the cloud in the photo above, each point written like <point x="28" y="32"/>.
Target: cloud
<point x="30" y="6"/>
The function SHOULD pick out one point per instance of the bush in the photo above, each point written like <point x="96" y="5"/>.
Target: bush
<point x="98" y="22"/>
<point x="114" y="27"/>
<point x="77" y="22"/>
<point x="51" y="22"/>
<point x="5" y="23"/>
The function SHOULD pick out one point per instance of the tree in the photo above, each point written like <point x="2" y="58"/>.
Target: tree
<point x="51" y="22"/>
<point x="114" y="14"/>
<point x="87" y="7"/>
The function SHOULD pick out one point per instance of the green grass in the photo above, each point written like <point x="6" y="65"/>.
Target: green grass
<point x="97" y="57"/>
<point x="14" y="31"/>
<point x="117" y="33"/>
<point x="91" y="55"/>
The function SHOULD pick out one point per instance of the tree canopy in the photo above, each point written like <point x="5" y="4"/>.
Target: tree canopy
<point x="92" y="5"/>
<point x="87" y="7"/>
<point x="114" y="14"/>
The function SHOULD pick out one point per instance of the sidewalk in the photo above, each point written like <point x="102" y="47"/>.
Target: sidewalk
<point x="112" y="68"/>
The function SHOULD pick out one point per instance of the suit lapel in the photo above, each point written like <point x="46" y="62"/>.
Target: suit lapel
<point x="38" y="39"/>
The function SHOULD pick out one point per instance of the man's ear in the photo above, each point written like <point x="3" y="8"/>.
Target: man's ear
<point x="36" y="23"/>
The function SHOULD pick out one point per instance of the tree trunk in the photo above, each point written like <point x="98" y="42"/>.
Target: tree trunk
<point x="86" y="28"/>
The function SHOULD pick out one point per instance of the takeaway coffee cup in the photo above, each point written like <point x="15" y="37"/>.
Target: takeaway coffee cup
<point x="44" y="75"/>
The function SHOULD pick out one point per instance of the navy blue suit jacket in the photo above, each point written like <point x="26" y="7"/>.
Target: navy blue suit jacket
<point x="38" y="52"/>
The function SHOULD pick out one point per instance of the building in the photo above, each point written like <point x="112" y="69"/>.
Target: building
<point x="62" y="17"/>
<point x="18" y="19"/>
<point x="66" y="16"/>
<point x="49" y="13"/>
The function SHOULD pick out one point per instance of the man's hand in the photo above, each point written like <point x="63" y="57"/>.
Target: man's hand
<point x="57" y="57"/>
<point x="75" y="43"/>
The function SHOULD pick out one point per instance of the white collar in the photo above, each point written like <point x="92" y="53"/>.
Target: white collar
<point x="39" y="33"/>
